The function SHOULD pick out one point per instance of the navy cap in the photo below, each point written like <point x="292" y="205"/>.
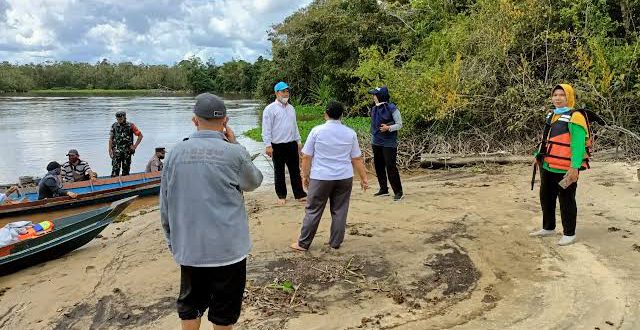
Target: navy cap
<point x="382" y="93"/>
<point x="209" y="106"/>
<point x="379" y="90"/>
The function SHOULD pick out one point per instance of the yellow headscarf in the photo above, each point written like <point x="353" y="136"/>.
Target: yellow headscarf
<point x="571" y="95"/>
<point x="577" y="118"/>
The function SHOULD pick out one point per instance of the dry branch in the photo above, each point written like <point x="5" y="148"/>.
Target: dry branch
<point x="439" y="160"/>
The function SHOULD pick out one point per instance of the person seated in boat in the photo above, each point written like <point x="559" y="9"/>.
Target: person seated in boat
<point x="76" y="169"/>
<point x="155" y="163"/>
<point x="50" y="185"/>
<point x="4" y="197"/>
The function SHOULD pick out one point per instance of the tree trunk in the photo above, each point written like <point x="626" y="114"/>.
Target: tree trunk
<point x="439" y="160"/>
<point x="625" y="9"/>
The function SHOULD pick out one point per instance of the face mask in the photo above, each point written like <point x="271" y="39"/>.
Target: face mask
<point x="560" y="111"/>
<point x="284" y="100"/>
<point x="161" y="157"/>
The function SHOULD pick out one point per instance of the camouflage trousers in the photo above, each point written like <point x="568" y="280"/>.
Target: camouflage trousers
<point x="121" y="160"/>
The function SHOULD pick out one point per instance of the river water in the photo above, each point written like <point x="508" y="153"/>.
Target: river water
<point x="37" y="130"/>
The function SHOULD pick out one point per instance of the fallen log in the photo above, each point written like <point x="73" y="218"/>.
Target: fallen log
<point x="457" y="160"/>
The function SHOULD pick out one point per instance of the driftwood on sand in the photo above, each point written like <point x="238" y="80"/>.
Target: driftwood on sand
<point x="458" y="160"/>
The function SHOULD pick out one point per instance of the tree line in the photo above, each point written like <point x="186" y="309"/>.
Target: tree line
<point x="236" y="76"/>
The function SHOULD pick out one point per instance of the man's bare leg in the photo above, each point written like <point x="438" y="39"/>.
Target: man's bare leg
<point x="191" y="324"/>
<point x="222" y="327"/>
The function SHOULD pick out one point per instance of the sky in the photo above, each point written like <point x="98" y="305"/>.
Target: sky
<point x="138" y="31"/>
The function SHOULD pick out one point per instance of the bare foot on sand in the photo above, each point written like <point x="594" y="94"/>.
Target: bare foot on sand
<point x="281" y="201"/>
<point x="302" y="200"/>
<point x="295" y="246"/>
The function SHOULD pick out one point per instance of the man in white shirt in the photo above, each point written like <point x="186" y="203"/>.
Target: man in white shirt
<point x="282" y="141"/>
<point x="4" y="197"/>
<point x="328" y="159"/>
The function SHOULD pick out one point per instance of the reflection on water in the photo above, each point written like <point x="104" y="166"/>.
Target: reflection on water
<point x="37" y="130"/>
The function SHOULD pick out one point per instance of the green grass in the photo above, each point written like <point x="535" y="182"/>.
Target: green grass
<point x="103" y="92"/>
<point x="310" y="116"/>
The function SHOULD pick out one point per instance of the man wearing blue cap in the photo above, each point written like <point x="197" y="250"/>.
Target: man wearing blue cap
<point x="282" y="140"/>
<point x="385" y="123"/>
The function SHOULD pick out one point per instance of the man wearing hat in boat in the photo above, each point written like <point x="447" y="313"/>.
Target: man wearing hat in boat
<point x="76" y="169"/>
<point x="155" y="163"/>
<point x="121" y="145"/>
<point x="50" y="185"/>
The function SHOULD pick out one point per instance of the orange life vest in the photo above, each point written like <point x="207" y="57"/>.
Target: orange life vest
<point x="32" y="232"/>
<point x="557" y="142"/>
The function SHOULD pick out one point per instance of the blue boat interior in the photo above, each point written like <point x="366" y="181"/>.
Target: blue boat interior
<point x="84" y="190"/>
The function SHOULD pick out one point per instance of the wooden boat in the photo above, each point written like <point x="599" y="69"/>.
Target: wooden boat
<point x="68" y="234"/>
<point x="101" y="190"/>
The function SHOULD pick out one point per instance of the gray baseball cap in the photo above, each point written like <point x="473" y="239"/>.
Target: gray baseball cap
<point x="209" y="106"/>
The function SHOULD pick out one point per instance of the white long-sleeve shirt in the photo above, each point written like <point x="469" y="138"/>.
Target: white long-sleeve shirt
<point x="279" y="124"/>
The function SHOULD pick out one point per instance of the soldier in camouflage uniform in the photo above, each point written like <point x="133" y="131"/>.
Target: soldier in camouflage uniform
<point x="121" y="145"/>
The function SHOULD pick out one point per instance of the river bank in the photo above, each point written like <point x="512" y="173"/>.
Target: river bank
<point x="454" y="254"/>
<point x="104" y="92"/>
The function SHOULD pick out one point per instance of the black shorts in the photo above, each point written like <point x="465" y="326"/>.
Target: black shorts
<point x="220" y="289"/>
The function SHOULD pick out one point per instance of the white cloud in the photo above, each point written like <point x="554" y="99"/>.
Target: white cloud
<point x="149" y="31"/>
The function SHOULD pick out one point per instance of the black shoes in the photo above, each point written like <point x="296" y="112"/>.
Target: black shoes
<point x="396" y="197"/>
<point x="381" y="193"/>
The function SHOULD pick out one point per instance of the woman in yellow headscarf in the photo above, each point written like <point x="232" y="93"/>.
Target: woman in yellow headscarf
<point x="562" y="155"/>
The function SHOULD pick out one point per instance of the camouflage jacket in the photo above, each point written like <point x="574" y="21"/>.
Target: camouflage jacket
<point x="122" y="135"/>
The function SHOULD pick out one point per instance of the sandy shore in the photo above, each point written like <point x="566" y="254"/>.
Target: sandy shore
<point x="454" y="254"/>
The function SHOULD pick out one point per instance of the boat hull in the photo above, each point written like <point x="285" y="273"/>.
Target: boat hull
<point x="148" y="186"/>
<point x="75" y="232"/>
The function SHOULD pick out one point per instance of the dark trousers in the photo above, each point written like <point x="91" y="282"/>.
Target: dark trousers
<point x="122" y="159"/>
<point x="287" y="154"/>
<point x="549" y="192"/>
<point x="384" y="159"/>
<point x="338" y="193"/>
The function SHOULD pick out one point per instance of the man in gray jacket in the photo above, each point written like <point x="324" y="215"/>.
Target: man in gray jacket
<point x="204" y="218"/>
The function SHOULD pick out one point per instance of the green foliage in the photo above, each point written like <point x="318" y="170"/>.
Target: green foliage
<point x="495" y="61"/>
<point x="322" y="92"/>
<point x="286" y="286"/>
<point x="318" y="46"/>
<point x="192" y="74"/>
<point x="13" y="80"/>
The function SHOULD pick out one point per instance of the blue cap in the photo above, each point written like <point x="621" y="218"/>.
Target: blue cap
<point x="280" y="86"/>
